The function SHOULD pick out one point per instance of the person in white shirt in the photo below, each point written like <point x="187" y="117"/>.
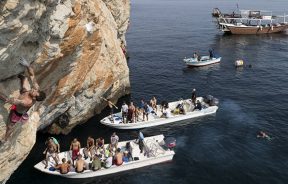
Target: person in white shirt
<point x="108" y="161"/>
<point x="124" y="111"/>
<point x="114" y="140"/>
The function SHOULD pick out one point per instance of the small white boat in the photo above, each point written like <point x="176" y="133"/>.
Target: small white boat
<point x="155" y="149"/>
<point x="205" y="60"/>
<point x="156" y="119"/>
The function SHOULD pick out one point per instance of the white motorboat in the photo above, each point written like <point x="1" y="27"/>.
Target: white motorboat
<point x="156" y="150"/>
<point x="204" y="60"/>
<point x="156" y="119"/>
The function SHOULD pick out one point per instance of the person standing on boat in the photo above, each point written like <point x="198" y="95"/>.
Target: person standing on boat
<point x="136" y="114"/>
<point x="211" y="53"/>
<point x="153" y="103"/>
<point x="50" y="151"/>
<point x="75" y="147"/>
<point x="145" y="111"/>
<point x="114" y="140"/>
<point x="131" y="113"/>
<point x="89" y="150"/>
<point x="193" y="97"/>
<point x="124" y="111"/>
<point x="195" y="55"/>
<point x="141" y="141"/>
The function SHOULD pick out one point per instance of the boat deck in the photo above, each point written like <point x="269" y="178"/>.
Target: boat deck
<point x="154" y="152"/>
<point x="158" y="119"/>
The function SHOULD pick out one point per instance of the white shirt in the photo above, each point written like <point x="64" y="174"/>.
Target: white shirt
<point x="114" y="139"/>
<point x="108" y="162"/>
<point x="124" y="108"/>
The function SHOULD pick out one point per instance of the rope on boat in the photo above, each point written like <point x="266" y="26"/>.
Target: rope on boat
<point x="153" y="149"/>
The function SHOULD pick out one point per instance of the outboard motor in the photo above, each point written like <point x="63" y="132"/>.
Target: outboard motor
<point x="214" y="102"/>
<point x="170" y="142"/>
<point x="208" y="99"/>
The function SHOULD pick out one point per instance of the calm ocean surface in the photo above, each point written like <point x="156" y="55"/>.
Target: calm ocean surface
<point x="222" y="148"/>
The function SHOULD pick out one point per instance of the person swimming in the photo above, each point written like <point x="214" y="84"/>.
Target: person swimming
<point x="264" y="135"/>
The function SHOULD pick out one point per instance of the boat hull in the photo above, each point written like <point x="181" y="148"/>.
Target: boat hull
<point x="191" y="62"/>
<point x="142" y="162"/>
<point x="256" y="30"/>
<point x="160" y="121"/>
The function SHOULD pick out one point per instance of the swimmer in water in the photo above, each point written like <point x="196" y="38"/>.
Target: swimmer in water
<point x="262" y="134"/>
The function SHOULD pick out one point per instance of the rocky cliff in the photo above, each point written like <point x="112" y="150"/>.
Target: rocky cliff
<point x="75" y="49"/>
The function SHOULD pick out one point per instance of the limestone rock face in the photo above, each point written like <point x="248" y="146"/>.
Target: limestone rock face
<point x="74" y="46"/>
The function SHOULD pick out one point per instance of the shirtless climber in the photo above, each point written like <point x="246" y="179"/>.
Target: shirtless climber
<point x="27" y="98"/>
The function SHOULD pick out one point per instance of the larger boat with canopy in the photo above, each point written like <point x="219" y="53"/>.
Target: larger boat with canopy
<point x="250" y="22"/>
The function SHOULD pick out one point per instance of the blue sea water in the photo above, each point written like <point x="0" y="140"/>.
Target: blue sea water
<point x="222" y="148"/>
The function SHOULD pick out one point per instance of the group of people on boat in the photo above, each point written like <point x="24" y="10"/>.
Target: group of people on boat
<point x="197" y="56"/>
<point x="94" y="156"/>
<point x="132" y="113"/>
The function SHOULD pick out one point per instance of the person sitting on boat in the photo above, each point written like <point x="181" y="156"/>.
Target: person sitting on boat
<point x="96" y="164"/>
<point x="126" y="157"/>
<point x="166" y="113"/>
<point x="109" y="161"/>
<point x="100" y="143"/>
<point x="145" y="111"/>
<point x="118" y="158"/>
<point x="180" y="107"/>
<point x="129" y="149"/>
<point x="131" y="110"/>
<point x="90" y="148"/>
<point x="124" y="110"/>
<point x="80" y="164"/>
<point x="164" y="104"/>
<point x="64" y="167"/>
<point x="71" y="168"/>
<point x="198" y="106"/>
<point x="51" y="151"/>
<point x="153" y="103"/>
<point x="114" y="140"/>
<point x="75" y="147"/>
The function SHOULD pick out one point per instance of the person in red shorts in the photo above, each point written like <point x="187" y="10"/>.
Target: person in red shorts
<point x="75" y="147"/>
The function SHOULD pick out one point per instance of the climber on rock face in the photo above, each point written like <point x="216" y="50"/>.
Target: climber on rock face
<point x="27" y="98"/>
